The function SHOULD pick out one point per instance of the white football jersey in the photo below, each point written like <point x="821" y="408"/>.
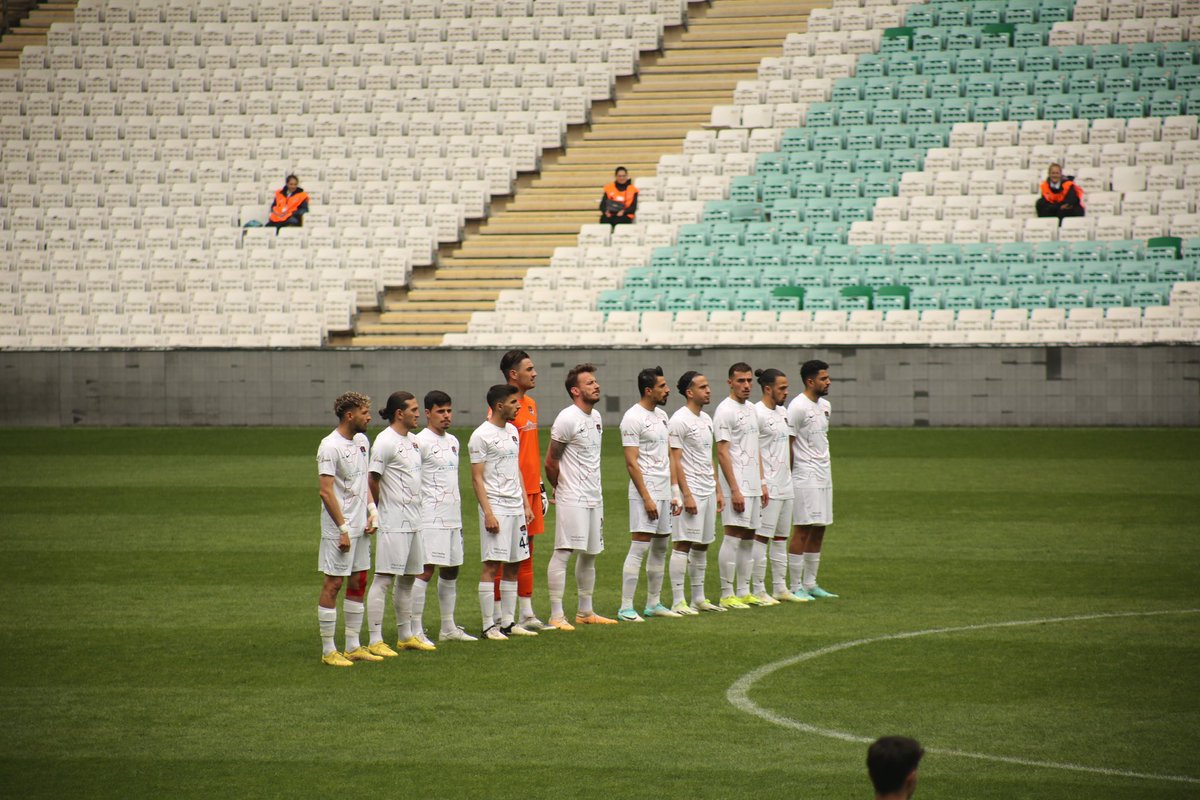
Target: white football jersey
<point x="441" y="503"/>
<point x="396" y="459"/>
<point x="345" y="460"/>
<point x="773" y="435"/>
<point x="809" y="423"/>
<point x="497" y="449"/>
<point x="579" y="467"/>
<point x="737" y="423"/>
<point x="692" y="435"/>
<point x="647" y="431"/>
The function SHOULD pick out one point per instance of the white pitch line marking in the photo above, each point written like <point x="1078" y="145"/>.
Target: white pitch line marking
<point x="738" y="694"/>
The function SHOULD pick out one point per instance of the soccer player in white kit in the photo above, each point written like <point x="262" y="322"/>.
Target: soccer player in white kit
<point x="504" y="510"/>
<point x="736" y="429"/>
<point x="775" y="522"/>
<point x="441" y="515"/>
<point x="648" y="462"/>
<point x="348" y="516"/>
<point x="395" y="476"/>
<point x="808" y="418"/>
<point x="690" y="438"/>
<point x="573" y="470"/>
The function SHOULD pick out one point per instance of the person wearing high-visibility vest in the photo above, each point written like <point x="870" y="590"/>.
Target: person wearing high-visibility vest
<point x="618" y="206"/>
<point x="1061" y="196"/>
<point x="290" y="206"/>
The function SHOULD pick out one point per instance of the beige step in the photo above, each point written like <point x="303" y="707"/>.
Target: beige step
<point x="409" y="328"/>
<point x="395" y="341"/>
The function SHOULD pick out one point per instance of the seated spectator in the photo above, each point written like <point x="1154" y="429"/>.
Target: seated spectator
<point x="619" y="203"/>
<point x="1061" y="197"/>
<point x="291" y="204"/>
<point x="892" y="764"/>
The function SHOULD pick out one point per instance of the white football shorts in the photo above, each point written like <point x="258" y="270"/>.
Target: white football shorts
<point x="698" y="528"/>
<point x="510" y="545"/>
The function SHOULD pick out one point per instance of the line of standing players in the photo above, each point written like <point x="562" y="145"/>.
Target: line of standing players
<point x="771" y="478"/>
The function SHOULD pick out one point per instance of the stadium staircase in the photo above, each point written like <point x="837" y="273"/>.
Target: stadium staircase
<point x="26" y="24"/>
<point x="650" y="117"/>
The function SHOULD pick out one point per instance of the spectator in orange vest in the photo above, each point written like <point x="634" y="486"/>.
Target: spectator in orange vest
<point x="619" y="203"/>
<point x="1061" y="197"/>
<point x="291" y="204"/>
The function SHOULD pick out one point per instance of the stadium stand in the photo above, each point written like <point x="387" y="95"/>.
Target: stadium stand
<point x="144" y="134"/>
<point x="896" y="153"/>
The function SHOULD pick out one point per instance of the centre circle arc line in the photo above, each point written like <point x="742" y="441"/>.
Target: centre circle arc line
<point x="738" y="693"/>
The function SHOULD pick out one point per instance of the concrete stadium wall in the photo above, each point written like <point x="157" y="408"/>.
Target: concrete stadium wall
<point x="895" y="387"/>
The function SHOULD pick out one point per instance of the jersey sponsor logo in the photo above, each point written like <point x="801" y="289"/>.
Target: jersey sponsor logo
<point x="597" y="426"/>
<point x="454" y="449"/>
<point x="514" y="440"/>
<point x="362" y="449"/>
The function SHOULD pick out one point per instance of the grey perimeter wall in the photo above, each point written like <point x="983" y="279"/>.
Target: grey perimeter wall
<point x="899" y="387"/>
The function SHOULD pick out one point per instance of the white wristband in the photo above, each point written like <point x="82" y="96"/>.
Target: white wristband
<point x="676" y="497"/>
<point x="344" y="528"/>
<point x="372" y="508"/>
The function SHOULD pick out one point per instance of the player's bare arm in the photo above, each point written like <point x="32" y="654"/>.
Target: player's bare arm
<point x="553" y="456"/>
<point x="676" y="502"/>
<point x="735" y="491"/>
<point x="639" y="482"/>
<point x="330" y="501"/>
<point x="685" y="493"/>
<point x="762" y="476"/>
<point x="372" y="509"/>
<point x="720" y="494"/>
<point x="490" y="523"/>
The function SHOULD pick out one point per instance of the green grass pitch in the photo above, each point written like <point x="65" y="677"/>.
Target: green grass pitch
<point x="159" y="634"/>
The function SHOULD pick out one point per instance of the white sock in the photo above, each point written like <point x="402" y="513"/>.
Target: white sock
<point x="697" y="568"/>
<point x="487" y="603"/>
<point x="402" y="602"/>
<point x="556" y="581"/>
<point x="727" y="564"/>
<point x="779" y="564"/>
<point x="655" y="566"/>
<point x="508" y="602"/>
<point x="376" y="600"/>
<point x="811" y="562"/>
<point x="632" y="571"/>
<point x="447" y="590"/>
<point x="327" y="622"/>
<point x="585" y="580"/>
<point x="795" y="570"/>
<point x="526" y="606"/>
<point x="353" y="610"/>
<point x="679" y="569"/>
<point x="418" y="605"/>
<point x="759" y="573"/>
<point x="745" y="562"/>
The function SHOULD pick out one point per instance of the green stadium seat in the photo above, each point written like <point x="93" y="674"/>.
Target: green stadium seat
<point x="760" y="233"/>
<point x="909" y="254"/>
<point x="1060" y="106"/>
<point x="1035" y="296"/>
<point x="855" y="113"/>
<point x="925" y="40"/>
<point x="935" y="65"/>
<point x="821" y="115"/>
<point x="745" y="189"/>
<point x="788" y="211"/>
<point x="879" y="276"/>
<point x="664" y="256"/>
<point x="922" y="16"/>
<point x="715" y="300"/>
<point x="1087" y="252"/>
<point x="786" y="303"/>
<point x="1049" y="252"/>
<point x="850" y="275"/>
<point x="869" y="65"/>
<point x="896" y="40"/>
<point x="1153" y="79"/>
<point x="1173" y="271"/>
<point x="673" y="278"/>
<point x="821" y="299"/>
<point x="1085" y="81"/>
<point x="612" y="300"/>
<point x="724" y="233"/>
<point x="791" y="234"/>
<point x="1134" y="272"/>
<point x="855" y="298"/>
<point x="1109" y="56"/>
<point x="749" y="300"/>
<point x="714" y="279"/>
<point x="734" y="258"/>
<point x="838" y="255"/>
<point x="645" y="300"/>
<point x="847" y="90"/>
<point x="810" y="277"/>
<point x="892" y="298"/>
<point x="1013" y="85"/>
<point x="1024" y="275"/>
<point x="693" y="233"/>
<point x="1014" y="253"/>
<point x="1072" y="296"/>
<point x="960" y="298"/>
<point x="1029" y="35"/>
<point x="804" y="255"/>
<point x="639" y="278"/>
<point x="1110" y="296"/>
<point x="952" y="275"/>
<point x="1179" y="54"/>
<point x="1163" y="247"/>
<point x="808" y="161"/>
<point x="1119" y="79"/>
<point x="925" y="298"/>
<point x="1021" y="11"/>
<point x="1096" y="274"/>
<point x="771" y="163"/>
<point x="1149" y="294"/>
<point x="769" y="255"/>
<point x="874" y="255"/>
<point x="996" y="297"/>
<point x="972" y="62"/>
<point x="1166" y="103"/>
<point x="987" y="12"/>
<point x="775" y="276"/>
<point x="1055" y="10"/>
<point x="916" y="275"/>
<point x="1123" y="250"/>
<point x="976" y="253"/>
<point x="1074" y="58"/>
<point x="775" y="188"/>
<point x="1097" y="106"/>
<point x="1060" y="274"/>
<point x="988" y="274"/>
<point x="1050" y="82"/>
<point x="1041" y="59"/>
<point x="901" y="64"/>
<point x="857" y="210"/>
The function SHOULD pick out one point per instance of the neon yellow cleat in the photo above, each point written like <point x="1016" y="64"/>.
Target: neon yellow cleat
<point x="734" y="603"/>
<point x="414" y="643"/>
<point x="336" y="659"/>
<point x="362" y="654"/>
<point x="382" y="649"/>
<point x="751" y="600"/>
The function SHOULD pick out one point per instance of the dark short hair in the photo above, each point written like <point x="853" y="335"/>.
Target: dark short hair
<point x="685" y="381"/>
<point x="648" y="379"/>
<point x="396" y="401"/>
<point x="509" y="361"/>
<point x="767" y="377"/>
<point x="348" y="402"/>
<point x="740" y="366"/>
<point x="890" y="760"/>
<point x="436" y="398"/>
<point x="809" y="369"/>
<point x="499" y="392"/>
<point x="290" y="177"/>
<point x="572" y="379"/>
<point x="618" y="169"/>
